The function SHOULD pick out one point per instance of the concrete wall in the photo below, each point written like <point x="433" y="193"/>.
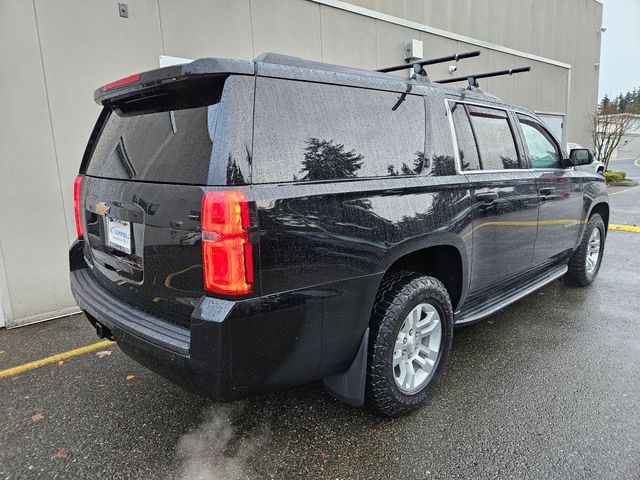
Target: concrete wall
<point x="56" y="53"/>
<point x="567" y="31"/>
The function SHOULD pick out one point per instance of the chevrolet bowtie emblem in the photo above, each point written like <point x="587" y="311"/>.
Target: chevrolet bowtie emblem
<point x="102" y="208"/>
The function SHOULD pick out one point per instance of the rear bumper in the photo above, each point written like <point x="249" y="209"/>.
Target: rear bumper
<point x="161" y="346"/>
<point x="237" y="349"/>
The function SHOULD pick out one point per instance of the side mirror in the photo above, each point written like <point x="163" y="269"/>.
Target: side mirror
<point x="580" y="156"/>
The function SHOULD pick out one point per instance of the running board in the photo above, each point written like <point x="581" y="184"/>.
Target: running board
<point x="477" y="311"/>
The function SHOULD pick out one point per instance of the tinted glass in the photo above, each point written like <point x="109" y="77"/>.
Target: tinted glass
<point x="168" y="147"/>
<point x="308" y="131"/>
<point x="543" y="151"/>
<point x="466" y="144"/>
<point x="496" y="145"/>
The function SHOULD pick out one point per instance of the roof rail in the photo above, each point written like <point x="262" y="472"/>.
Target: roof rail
<point x="473" y="78"/>
<point x="418" y="66"/>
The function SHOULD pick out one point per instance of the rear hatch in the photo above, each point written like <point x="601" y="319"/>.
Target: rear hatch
<point x="144" y="174"/>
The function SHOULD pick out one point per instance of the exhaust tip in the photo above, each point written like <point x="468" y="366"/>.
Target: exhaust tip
<point x="103" y="332"/>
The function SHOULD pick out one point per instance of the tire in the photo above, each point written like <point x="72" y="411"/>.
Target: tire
<point x="579" y="272"/>
<point x="399" y="295"/>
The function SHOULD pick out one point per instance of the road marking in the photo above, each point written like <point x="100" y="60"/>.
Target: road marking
<point x="623" y="191"/>
<point x="625" y="228"/>
<point x="10" y="372"/>
<point x="636" y="162"/>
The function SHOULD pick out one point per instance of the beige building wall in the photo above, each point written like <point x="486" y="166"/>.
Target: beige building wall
<point x="56" y="53"/>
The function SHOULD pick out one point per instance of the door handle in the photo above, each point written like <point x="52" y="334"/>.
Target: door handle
<point x="487" y="197"/>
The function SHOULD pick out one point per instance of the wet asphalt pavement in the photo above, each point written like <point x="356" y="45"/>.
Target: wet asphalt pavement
<point x="547" y="388"/>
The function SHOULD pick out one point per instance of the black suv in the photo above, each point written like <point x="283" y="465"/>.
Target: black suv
<point x="249" y="225"/>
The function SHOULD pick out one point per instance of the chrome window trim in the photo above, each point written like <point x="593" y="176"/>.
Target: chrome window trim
<point x="454" y="138"/>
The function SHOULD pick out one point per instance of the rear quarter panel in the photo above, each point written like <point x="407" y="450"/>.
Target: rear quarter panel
<point x="594" y="193"/>
<point x="351" y="232"/>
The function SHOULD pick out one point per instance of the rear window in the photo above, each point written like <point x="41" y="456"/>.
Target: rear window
<point x="309" y="131"/>
<point x="168" y="147"/>
<point x="159" y="138"/>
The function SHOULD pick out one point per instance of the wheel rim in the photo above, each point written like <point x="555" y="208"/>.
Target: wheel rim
<point x="593" y="251"/>
<point x="416" y="349"/>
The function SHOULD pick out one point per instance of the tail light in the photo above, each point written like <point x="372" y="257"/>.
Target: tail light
<point x="227" y="255"/>
<point x="121" y="82"/>
<point x="77" y="186"/>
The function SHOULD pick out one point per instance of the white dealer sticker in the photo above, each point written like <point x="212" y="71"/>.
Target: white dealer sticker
<point x="119" y="234"/>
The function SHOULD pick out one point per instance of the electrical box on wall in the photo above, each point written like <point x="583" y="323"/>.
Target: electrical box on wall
<point x="413" y="50"/>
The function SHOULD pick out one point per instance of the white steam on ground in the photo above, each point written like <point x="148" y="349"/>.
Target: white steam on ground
<point x="214" y="450"/>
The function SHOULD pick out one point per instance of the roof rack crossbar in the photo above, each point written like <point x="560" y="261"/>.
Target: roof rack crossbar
<point x="472" y="78"/>
<point x="431" y="61"/>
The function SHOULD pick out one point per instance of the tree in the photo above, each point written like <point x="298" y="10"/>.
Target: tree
<point x="405" y="169"/>
<point x="325" y="160"/>
<point x="608" y="127"/>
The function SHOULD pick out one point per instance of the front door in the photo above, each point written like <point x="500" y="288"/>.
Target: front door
<point x="505" y="195"/>
<point x="560" y="190"/>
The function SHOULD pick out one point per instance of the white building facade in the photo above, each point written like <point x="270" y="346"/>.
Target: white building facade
<point x="56" y="53"/>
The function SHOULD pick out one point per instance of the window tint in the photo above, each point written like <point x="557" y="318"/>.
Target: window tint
<point x="308" y="131"/>
<point x="466" y="144"/>
<point x="494" y="137"/>
<point x="543" y="151"/>
<point x="171" y="147"/>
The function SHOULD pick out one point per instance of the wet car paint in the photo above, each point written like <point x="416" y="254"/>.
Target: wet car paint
<point x="321" y="247"/>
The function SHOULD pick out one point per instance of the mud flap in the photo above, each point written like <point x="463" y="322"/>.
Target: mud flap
<point x="349" y="386"/>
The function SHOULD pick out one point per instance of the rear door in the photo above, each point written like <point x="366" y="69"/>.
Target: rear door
<point x="145" y="172"/>
<point x="560" y="190"/>
<point x="504" y="195"/>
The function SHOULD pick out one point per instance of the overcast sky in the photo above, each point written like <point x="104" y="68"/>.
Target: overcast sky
<point x="620" y="54"/>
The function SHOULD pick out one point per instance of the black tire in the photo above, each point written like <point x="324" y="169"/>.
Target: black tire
<point x="577" y="273"/>
<point x="399" y="293"/>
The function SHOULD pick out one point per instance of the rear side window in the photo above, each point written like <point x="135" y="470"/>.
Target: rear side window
<point x="467" y="150"/>
<point x="308" y="131"/>
<point x="494" y="137"/>
<point x="543" y="151"/>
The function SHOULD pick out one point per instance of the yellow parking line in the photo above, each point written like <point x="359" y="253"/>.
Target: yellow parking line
<point x="626" y="228"/>
<point x="9" y="372"/>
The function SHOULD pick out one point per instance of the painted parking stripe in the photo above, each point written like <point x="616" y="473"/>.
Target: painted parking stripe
<point x="624" y="228"/>
<point x="10" y="372"/>
<point x="624" y="191"/>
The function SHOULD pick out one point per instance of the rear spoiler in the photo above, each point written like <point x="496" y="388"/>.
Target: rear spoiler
<point x="140" y="83"/>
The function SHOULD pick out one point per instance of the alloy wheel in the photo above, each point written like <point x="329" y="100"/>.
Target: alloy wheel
<point x="416" y="349"/>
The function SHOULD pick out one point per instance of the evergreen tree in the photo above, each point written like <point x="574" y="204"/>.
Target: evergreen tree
<point x="605" y="104"/>
<point x="325" y="160"/>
